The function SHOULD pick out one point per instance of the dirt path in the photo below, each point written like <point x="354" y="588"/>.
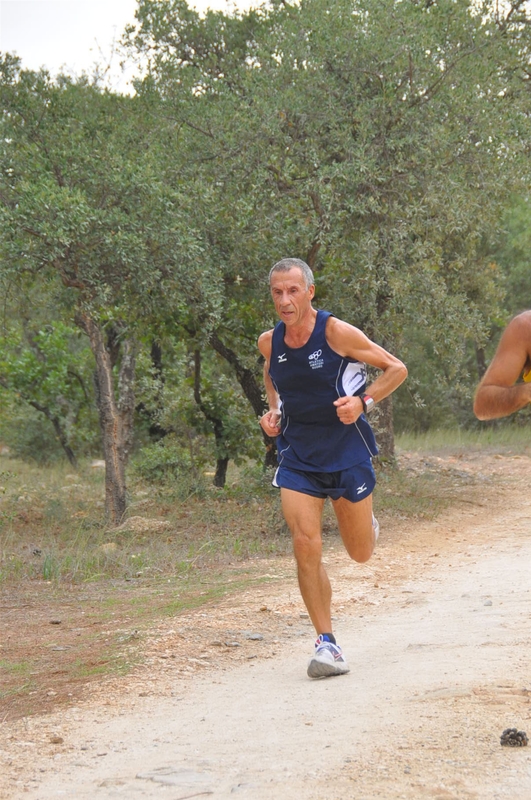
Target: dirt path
<point x="436" y="632"/>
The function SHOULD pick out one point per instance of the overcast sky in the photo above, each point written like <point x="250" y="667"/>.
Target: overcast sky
<point x="71" y="35"/>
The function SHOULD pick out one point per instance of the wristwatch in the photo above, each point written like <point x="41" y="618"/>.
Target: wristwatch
<point x="367" y="402"/>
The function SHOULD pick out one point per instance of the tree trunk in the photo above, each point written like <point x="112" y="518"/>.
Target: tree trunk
<point x="220" y="478"/>
<point x="217" y="423"/>
<point x="153" y="415"/>
<point x="156" y="431"/>
<point x="116" y="416"/>
<point x="382" y="422"/>
<point x="59" y="432"/>
<point x="251" y="390"/>
<point x="481" y="362"/>
<point x="54" y="419"/>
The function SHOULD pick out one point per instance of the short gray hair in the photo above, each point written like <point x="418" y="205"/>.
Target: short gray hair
<point x="285" y="264"/>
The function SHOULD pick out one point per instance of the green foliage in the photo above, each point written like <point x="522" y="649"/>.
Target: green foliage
<point x="379" y="140"/>
<point x="168" y="460"/>
<point x="513" y="254"/>
<point x="83" y="202"/>
<point x="47" y="367"/>
<point x="86" y="215"/>
<point x="172" y="403"/>
<point x="224" y="411"/>
<point x="28" y="434"/>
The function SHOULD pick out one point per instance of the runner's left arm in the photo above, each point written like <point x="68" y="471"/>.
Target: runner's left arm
<point x="349" y="341"/>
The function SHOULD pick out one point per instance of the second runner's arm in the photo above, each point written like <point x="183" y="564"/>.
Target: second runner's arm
<point x="497" y="395"/>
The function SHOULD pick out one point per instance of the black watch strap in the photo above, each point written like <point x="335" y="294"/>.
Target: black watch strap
<point x="367" y="402"/>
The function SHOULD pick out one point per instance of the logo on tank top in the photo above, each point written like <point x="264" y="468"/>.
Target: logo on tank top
<point x="315" y="360"/>
<point x="282" y="358"/>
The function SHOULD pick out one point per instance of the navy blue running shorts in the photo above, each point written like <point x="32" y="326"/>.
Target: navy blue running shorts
<point x="354" y="483"/>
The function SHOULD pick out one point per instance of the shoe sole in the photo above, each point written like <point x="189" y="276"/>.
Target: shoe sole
<point x="324" y="669"/>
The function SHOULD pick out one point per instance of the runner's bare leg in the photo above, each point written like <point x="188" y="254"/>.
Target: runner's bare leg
<point x="303" y="514"/>
<point x="355" y="527"/>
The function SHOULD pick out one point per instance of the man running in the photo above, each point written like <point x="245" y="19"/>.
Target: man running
<point x="315" y="380"/>
<point x="498" y="393"/>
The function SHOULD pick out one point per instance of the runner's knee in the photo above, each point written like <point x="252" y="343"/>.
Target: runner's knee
<point x="362" y="556"/>
<point x="307" y="549"/>
<point x="360" y="549"/>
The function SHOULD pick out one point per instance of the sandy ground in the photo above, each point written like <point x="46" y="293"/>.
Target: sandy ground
<point x="436" y="630"/>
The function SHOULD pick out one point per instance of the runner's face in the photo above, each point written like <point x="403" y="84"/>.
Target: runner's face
<point x="291" y="296"/>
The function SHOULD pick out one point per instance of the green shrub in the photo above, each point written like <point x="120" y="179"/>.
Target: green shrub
<point x="168" y="462"/>
<point x="29" y="436"/>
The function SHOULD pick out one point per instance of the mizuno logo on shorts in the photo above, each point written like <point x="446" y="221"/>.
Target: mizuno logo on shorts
<point x="361" y="489"/>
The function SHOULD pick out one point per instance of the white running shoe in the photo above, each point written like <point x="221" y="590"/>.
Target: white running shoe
<point x="328" y="660"/>
<point x="376" y="526"/>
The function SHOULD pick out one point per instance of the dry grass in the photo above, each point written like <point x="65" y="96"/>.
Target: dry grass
<point x="52" y="527"/>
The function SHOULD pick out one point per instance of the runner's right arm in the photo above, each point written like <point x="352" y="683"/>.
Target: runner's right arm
<point x="270" y="422"/>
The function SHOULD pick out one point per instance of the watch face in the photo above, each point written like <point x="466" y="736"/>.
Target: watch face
<point x="368" y="403"/>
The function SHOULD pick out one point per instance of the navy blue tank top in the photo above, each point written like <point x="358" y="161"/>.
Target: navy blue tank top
<point x="308" y="379"/>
